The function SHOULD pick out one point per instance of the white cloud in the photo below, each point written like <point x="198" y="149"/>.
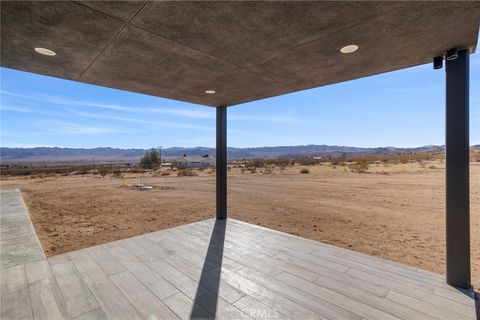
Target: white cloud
<point x="169" y="124"/>
<point x="23" y="109"/>
<point x="189" y="113"/>
<point x="194" y="113"/>
<point x="63" y="127"/>
<point x="4" y="107"/>
<point x="272" y="118"/>
<point x="28" y="145"/>
<point x="196" y="141"/>
<point x="198" y="114"/>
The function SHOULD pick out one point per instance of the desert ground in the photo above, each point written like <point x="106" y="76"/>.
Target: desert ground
<point x="394" y="211"/>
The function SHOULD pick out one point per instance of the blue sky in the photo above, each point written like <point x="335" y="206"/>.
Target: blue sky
<point x="403" y="108"/>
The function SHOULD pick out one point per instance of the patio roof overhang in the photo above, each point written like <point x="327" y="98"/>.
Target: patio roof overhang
<point x="243" y="50"/>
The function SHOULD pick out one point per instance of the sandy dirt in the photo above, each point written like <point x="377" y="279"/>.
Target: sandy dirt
<point x="394" y="212"/>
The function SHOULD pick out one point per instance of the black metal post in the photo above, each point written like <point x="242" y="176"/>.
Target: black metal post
<point x="457" y="151"/>
<point x="221" y="165"/>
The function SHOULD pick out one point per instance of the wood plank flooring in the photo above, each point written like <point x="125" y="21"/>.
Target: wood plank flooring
<point x="221" y="270"/>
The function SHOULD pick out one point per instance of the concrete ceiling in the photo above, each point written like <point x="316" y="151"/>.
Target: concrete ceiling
<point x="243" y="50"/>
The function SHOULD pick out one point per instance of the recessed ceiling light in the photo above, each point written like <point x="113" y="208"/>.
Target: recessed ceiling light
<point x="349" y="49"/>
<point x="45" y="51"/>
<point x="210" y="91"/>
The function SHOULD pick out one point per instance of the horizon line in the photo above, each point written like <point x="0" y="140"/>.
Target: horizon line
<point x="207" y="147"/>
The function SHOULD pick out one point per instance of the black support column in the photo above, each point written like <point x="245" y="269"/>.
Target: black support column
<point x="457" y="171"/>
<point x="221" y="166"/>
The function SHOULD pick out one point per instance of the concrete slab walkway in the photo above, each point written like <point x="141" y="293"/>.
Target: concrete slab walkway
<point x="19" y="242"/>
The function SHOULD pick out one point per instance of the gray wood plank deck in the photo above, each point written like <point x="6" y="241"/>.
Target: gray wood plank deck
<point x="214" y="269"/>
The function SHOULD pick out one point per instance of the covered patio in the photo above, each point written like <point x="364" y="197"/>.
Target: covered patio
<point x="217" y="269"/>
<point x="222" y="54"/>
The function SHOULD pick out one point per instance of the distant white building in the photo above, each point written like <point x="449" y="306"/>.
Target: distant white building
<point x="195" y="162"/>
<point x="166" y="164"/>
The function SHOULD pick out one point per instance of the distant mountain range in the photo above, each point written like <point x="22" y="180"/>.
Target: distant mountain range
<point x="10" y="155"/>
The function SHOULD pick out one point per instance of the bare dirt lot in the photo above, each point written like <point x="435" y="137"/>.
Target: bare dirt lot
<point x="393" y="211"/>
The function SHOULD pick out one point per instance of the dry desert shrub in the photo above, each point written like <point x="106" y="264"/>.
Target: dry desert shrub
<point x="306" y="161"/>
<point x="268" y="169"/>
<point x="335" y="162"/>
<point x="403" y="158"/>
<point x="187" y="173"/>
<point x="475" y="156"/>
<point x="117" y="173"/>
<point x="304" y="170"/>
<point x="253" y="164"/>
<point x="103" y="171"/>
<point x="360" y="166"/>
<point x="281" y="163"/>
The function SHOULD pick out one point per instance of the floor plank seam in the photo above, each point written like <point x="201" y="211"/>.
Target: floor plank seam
<point x="79" y="316"/>
<point x="29" y="294"/>
<point x="127" y="299"/>
<point x="20" y="236"/>
<point x="334" y="303"/>
<point x="61" y="293"/>
<point x="178" y="290"/>
<point x="278" y="292"/>
<point x="343" y="250"/>
<point x="377" y="275"/>
<point x="151" y="268"/>
<point x="84" y="282"/>
<point x="144" y="284"/>
<point x="379" y="272"/>
<point x="431" y="305"/>
<point x="205" y="288"/>
<point x="372" y="272"/>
